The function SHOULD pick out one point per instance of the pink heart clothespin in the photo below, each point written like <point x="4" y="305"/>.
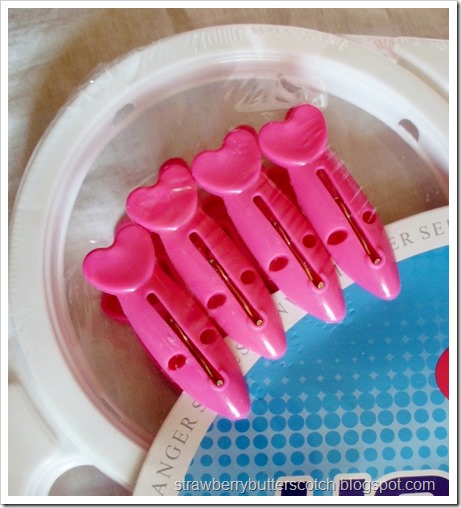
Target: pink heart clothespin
<point x="331" y="199"/>
<point x="280" y="238"/>
<point x="211" y="265"/>
<point x="173" y="328"/>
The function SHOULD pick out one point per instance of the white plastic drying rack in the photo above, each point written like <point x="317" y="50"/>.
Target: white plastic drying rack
<point x="55" y="424"/>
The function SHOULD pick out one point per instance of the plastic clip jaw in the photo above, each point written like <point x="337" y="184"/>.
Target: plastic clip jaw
<point x="332" y="200"/>
<point x="208" y="261"/>
<point x="170" y="324"/>
<point x="280" y="238"/>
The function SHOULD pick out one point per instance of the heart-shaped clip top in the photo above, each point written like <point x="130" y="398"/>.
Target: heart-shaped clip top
<point x="170" y="324"/>
<point x="208" y="261"/>
<point x="301" y="138"/>
<point x="346" y="222"/>
<point x="280" y="238"/>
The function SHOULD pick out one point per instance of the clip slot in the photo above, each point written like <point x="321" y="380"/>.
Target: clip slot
<point x="280" y="238"/>
<point x="211" y="372"/>
<point x="208" y="261"/>
<point x="219" y="269"/>
<point x="335" y="194"/>
<point x="171" y="325"/>
<point x="332" y="200"/>
<point x="266" y="211"/>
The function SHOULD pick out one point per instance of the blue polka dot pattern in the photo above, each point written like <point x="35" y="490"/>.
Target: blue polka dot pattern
<point x="359" y="396"/>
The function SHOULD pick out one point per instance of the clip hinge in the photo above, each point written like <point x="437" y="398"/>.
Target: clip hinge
<point x="204" y="250"/>
<point x="335" y="194"/>
<point x="267" y="212"/>
<point x="204" y="363"/>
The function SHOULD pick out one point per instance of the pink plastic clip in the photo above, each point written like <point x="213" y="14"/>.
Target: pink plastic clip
<point x="171" y="325"/>
<point x="332" y="200"/>
<point x="208" y="261"/>
<point x="275" y="231"/>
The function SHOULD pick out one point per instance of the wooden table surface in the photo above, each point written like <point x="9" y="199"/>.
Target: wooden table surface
<point x="52" y="51"/>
